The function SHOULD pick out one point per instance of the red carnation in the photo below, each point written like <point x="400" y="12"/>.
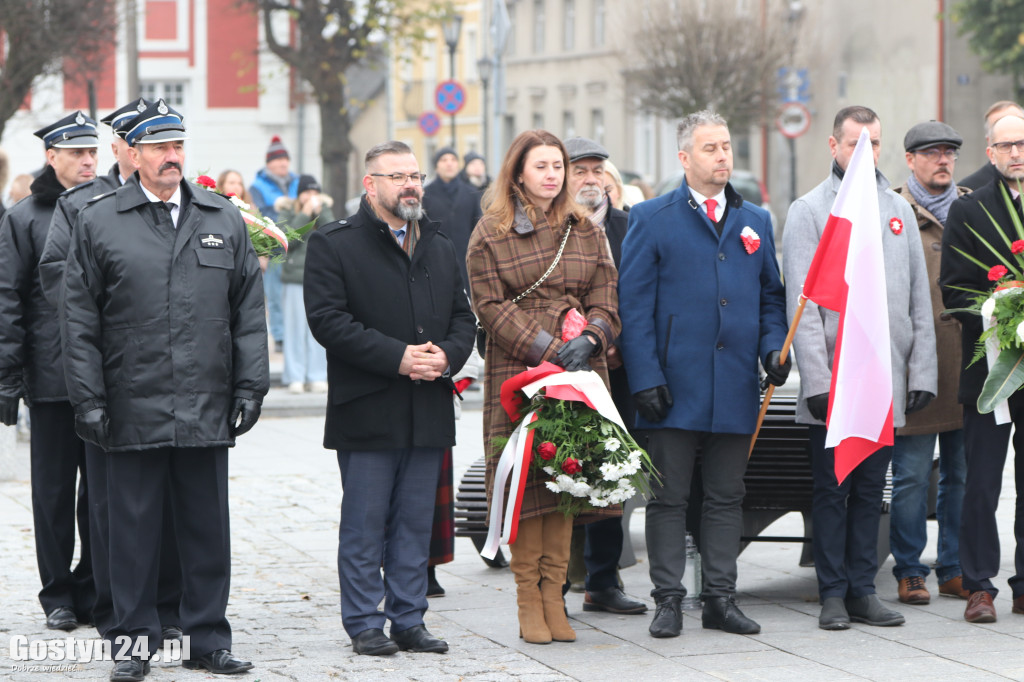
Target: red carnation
<point x="1017" y="246"/>
<point x="206" y="181"/>
<point x="547" y="450"/>
<point x="997" y="273"/>
<point x="571" y="466"/>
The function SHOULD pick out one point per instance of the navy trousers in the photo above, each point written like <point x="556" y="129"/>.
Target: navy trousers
<point x="196" y="479"/>
<point x="58" y="471"/>
<point x="169" y="584"/>
<point x="985" y="445"/>
<point x="387" y="510"/>
<point x="845" y="519"/>
<point x="601" y="554"/>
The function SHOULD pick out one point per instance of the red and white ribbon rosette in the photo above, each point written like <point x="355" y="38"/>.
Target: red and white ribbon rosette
<point x="586" y="387"/>
<point x="751" y="240"/>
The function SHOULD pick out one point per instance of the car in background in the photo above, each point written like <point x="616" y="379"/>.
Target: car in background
<point x="743" y="181"/>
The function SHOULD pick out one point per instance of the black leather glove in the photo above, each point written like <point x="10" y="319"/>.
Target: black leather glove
<point x="11" y="390"/>
<point x="817" y="405"/>
<point x="917" y="400"/>
<point x="248" y="410"/>
<point x="653" y="403"/>
<point x="93" y="426"/>
<point x="575" y="354"/>
<point x="776" y="374"/>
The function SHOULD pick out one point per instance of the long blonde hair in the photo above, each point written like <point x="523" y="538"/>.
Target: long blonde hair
<point x="500" y="199"/>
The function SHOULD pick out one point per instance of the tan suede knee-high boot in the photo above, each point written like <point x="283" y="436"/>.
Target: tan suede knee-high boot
<point x="525" y="565"/>
<point x="554" y="562"/>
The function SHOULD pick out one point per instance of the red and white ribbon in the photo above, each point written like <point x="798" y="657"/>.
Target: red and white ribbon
<point x="586" y="387"/>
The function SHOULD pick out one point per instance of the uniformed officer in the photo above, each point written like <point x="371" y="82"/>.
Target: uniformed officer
<point x="51" y="274"/>
<point x="164" y="331"/>
<point x="30" y="367"/>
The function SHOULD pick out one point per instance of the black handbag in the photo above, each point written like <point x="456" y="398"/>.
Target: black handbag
<point x="481" y="333"/>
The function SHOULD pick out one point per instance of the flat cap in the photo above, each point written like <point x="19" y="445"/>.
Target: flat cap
<point x="584" y="148"/>
<point x="930" y="134"/>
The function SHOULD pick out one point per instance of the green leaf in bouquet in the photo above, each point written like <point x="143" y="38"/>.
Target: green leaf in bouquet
<point x="1015" y="269"/>
<point x="1008" y="200"/>
<point x="1004" y="379"/>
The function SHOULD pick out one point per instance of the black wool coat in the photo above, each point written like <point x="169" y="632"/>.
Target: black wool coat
<point x="957" y="271"/>
<point x="163" y="326"/>
<point x="29" y="328"/>
<point x="366" y="300"/>
<point x="457" y="209"/>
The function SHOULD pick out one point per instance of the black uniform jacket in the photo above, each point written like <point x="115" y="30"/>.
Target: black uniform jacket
<point x="163" y="326"/>
<point x="958" y="271"/>
<point x="365" y="302"/>
<point x="58" y="239"/>
<point x="29" y="331"/>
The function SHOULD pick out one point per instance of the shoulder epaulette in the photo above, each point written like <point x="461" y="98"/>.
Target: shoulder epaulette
<point x="342" y="224"/>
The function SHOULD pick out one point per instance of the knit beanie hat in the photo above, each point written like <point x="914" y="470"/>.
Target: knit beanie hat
<point x="276" y="150"/>
<point x="444" y="151"/>
<point x="307" y="182"/>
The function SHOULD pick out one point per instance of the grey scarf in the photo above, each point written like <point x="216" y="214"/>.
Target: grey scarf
<point x="936" y="204"/>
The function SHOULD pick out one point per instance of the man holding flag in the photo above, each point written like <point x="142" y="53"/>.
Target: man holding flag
<point x="861" y="370"/>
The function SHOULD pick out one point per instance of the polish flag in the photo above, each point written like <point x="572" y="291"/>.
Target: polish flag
<point x="848" y="275"/>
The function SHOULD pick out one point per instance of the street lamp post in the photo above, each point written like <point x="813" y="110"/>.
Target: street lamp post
<point x="484" y="69"/>
<point x="793" y="18"/>
<point x="452" y="27"/>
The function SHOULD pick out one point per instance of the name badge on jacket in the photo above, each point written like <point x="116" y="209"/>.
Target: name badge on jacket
<point x="212" y="241"/>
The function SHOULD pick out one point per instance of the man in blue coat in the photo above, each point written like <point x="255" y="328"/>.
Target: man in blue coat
<point x="701" y="302"/>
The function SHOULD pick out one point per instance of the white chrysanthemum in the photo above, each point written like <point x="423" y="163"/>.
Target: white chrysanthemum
<point x="565" y="483"/>
<point x="988" y="307"/>
<point x="634" y="457"/>
<point x="610" y="471"/>
<point x="612" y="444"/>
<point x="550" y="471"/>
<point x="552" y="486"/>
<point x="598" y="502"/>
<point x="1020" y="331"/>
<point x="624" y="483"/>
<point x="580" y="489"/>
<point x="239" y="203"/>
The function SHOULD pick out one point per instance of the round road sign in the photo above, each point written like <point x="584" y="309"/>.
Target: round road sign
<point x="429" y="123"/>
<point x="794" y="119"/>
<point x="450" y="97"/>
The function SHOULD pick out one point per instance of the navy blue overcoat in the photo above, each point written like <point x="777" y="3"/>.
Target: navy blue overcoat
<point x="698" y="311"/>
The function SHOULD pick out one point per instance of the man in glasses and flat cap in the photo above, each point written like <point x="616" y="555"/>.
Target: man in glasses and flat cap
<point x="30" y="367"/>
<point x="164" y="333"/>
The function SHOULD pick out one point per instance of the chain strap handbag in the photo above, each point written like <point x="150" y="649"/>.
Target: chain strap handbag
<point x="481" y="333"/>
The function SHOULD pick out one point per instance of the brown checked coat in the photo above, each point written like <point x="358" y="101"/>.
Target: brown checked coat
<point x="504" y="265"/>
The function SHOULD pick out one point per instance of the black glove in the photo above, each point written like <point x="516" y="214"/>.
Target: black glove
<point x="653" y="403"/>
<point x="11" y="390"/>
<point x="817" y="405"/>
<point x="93" y="426"/>
<point x="249" y="410"/>
<point x="575" y="354"/>
<point x="917" y="400"/>
<point x="776" y="374"/>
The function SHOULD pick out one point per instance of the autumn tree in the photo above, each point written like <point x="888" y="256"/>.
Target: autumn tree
<point x="995" y="30"/>
<point x="331" y="39"/>
<point x="43" y="37"/>
<point x="688" y="55"/>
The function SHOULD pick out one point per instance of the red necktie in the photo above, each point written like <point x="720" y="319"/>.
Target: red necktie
<point x="711" y="205"/>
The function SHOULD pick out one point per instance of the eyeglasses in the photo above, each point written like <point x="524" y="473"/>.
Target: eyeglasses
<point x="1005" y="147"/>
<point x="400" y="179"/>
<point x="934" y="154"/>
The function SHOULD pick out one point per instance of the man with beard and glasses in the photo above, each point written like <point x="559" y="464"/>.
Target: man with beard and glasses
<point x="30" y="367"/>
<point x="384" y="296"/>
<point x="165" y="348"/>
<point x="971" y="235"/>
<point x="932" y="149"/>
<point x="604" y="538"/>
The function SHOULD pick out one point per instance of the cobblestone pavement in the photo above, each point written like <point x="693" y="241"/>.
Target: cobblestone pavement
<point x="285" y="498"/>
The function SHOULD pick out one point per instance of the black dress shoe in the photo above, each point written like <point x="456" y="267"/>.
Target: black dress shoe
<point x="721" y="613"/>
<point x="132" y="670"/>
<point x="221" y="662"/>
<point x="417" y="639"/>
<point x="62" y="618"/>
<point x="668" y="617"/>
<point x="612" y="600"/>
<point x="870" y="611"/>
<point x="373" y="642"/>
<point x="169" y="633"/>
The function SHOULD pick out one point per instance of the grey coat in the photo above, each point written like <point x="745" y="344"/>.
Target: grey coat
<point x="911" y="325"/>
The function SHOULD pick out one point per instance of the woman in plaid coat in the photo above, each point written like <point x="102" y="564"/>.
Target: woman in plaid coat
<point x="528" y="210"/>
